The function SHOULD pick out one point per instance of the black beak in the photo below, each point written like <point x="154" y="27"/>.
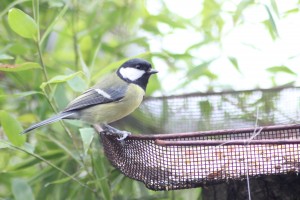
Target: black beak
<point x="152" y="71"/>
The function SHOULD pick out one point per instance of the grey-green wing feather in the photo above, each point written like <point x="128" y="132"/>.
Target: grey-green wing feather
<point x="114" y="90"/>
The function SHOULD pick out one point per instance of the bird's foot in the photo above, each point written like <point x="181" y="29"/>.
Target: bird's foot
<point x="111" y="130"/>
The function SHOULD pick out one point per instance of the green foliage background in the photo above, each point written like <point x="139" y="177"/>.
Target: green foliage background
<point x="51" y="50"/>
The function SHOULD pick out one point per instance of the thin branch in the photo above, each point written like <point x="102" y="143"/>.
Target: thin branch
<point x="48" y="87"/>
<point x="49" y="163"/>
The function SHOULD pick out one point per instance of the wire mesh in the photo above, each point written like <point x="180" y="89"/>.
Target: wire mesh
<point x="227" y="145"/>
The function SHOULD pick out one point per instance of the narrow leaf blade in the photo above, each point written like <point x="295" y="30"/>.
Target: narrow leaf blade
<point x="21" y="94"/>
<point x="281" y="69"/>
<point x="87" y="135"/>
<point x="272" y="25"/>
<point x="19" y="67"/>
<point x="6" y="57"/>
<point x="234" y="62"/>
<point x="60" y="79"/>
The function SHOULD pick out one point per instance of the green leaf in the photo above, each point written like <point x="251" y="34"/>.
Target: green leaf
<point x="201" y="70"/>
<point x="234" y="62"/>
<point x="6" y="57"/>
<point x="3" y="146"/>
<point x="271" y="25"/>
<point x="29" y="147"/>
<point x="49" y="155"/>
<point x="22" y="94"/>
<point x="100" y="173"/>
<point x="60" y="79"/>
<point x="21" y="190"/>
<point x="77" y="84"/>
<point x="87" y="135"/>
<point x="275" y="8"/>
<point x="281" y="69"/>
<point x="22" y="23"/>
<point x="19" y="67"/>
<point x="153" y="85"/>
<point x="12" y="128"/>
<point x="206" y="108"/>
<point x="60" y="96"/>
<point x="163" y="18"/>
<point x="60" y="181"/>
<point x="291" y="11"/>
<point x="18" y="48"/>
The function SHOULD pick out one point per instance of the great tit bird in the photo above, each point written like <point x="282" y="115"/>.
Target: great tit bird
<point x="114" y="97"/>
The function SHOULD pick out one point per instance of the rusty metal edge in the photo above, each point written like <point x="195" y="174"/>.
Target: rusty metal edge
<point x="223" y="142"/>
<point x="214" y="132"/>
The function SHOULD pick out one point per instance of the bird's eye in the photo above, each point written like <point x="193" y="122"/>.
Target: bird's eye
<point x="138" y="67"/>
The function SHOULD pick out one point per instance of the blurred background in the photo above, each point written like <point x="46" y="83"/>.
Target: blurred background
<point x="52" y="50"/>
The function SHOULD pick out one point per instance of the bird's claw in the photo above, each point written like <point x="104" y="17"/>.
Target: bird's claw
<point x="123" y="135"/>
<point x="108" y="130"/>
<point x="104" y="132"/>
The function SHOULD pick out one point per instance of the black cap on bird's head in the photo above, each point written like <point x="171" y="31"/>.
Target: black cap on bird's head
<point x="137" y="71"/>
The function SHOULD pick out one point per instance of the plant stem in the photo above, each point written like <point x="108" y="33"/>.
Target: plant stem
<point x="42" y="63"/>
<point x="75" y="38"/>
<point x="49" y="91"/>
<point x="48" y="87"/>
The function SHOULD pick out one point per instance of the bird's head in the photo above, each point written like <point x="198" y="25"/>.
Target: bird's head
<point x="137" y="71"/>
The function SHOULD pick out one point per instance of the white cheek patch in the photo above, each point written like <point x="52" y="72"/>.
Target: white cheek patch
<point x="131" y="73"/>
<point x="103" y="93"/>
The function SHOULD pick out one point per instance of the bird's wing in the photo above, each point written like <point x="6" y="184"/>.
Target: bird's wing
<point x="99" y="94"/>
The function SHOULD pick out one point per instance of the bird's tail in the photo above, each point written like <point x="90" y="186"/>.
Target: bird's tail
<point x="50" y="120"/>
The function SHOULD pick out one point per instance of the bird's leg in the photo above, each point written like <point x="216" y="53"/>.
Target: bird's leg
<point x="123" y="134"/>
